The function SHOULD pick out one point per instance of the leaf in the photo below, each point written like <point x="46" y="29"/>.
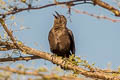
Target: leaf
<point x="20" y="66"/>
<point x="19" y="42"/>
<point x="15" y="24"/>
<point x="42" y="69"/>
<point x="15" y="51"/>
<point x="24" y="52"/>
<point x="24" y="1"/>
<point x="22" y="27"/>
<point x="0" y="37"/>
<point x="5" y="35"/>
<point x="12" y="17"/>
<point x="57" y="69"/>
<point x="118" y="68"/>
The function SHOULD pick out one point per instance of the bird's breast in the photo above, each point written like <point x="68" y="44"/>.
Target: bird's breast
<point x="62" y="39"/>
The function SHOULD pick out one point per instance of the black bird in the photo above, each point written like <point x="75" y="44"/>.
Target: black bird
<point x="61" y="39"/>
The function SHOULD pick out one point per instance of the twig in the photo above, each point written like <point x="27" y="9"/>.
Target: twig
<point x="26" y="58"/>
<point x="5" y="48"/>
<point x="40" y="7"/>
<point x="94" y="15"/>
<point x="9" y="33"/>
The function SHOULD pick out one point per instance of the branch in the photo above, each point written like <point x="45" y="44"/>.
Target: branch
<point x="40" y="7"/>
<point x="6" y="29"/>
<point x="26" y="58"/>
<point x="65" y="64"/>
<point x="96" y="16"/>
<point x="36" y="73"/>
<point x="67" y="3"/>
<point x="9" y="33"/>
<point x="107" y="6"/>
<point x="4" y="49"/>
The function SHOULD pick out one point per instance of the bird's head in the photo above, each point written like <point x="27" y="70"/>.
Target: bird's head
<point x="60" y="19"/>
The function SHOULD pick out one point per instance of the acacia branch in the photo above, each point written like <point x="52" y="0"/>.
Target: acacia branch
<point x="65" y="64"/>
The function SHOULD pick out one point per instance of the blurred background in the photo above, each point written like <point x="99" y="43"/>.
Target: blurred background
<point x="96" y="40"/>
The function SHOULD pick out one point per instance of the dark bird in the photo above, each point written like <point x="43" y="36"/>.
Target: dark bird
<point x="61" y="39"/>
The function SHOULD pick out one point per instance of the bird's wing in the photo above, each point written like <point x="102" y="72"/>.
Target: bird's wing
<point x="72" y="41"/>
<point x="51" y="40"/>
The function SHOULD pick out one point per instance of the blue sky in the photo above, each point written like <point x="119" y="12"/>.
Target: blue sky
<point x="96" y="40"/>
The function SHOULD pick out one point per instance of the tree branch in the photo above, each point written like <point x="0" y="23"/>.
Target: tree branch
<point x="4" y="49"/>
<point x="96" y="16"/>
<point x="65" y="64"/>
<point x="9" y="33"/>
<point x="72" y="3"/>
<point x="43" y="76"/>
<point x="40" y="7"/>
<point x="107" y="6"/>
<point x="26" y="58"/>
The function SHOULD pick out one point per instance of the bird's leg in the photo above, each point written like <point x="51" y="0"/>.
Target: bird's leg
<point x="53" y="57"/>
<point x="65" y="63"/>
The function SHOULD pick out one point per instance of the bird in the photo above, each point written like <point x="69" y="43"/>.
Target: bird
<point x="61" y="39"/>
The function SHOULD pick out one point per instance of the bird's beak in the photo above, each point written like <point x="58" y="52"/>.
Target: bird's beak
<point x="55" y="16"/>
<point x="57" y="13"/>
